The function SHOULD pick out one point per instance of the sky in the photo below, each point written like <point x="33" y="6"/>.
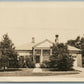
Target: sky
<point x="42" y="20"/>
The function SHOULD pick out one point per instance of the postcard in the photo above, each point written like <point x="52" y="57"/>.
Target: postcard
<point x="41" y="41"/>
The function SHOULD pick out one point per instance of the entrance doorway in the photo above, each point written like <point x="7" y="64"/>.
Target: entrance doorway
<point x="37" y="59"/>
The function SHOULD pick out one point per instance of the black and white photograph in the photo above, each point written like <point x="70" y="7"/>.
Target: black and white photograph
<point x="41" y="41"/>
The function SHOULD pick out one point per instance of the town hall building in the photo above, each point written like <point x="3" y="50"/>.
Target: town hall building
<point x="41" y="51"/>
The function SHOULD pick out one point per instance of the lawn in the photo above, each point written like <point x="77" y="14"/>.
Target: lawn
<point x="28" y="72"/>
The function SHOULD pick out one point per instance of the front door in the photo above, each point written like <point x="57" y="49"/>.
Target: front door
<point x="37" y="59"/>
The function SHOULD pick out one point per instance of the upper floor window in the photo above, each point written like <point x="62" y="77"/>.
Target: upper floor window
<point x="37" y="51"/>
<point x="46" y="52"/>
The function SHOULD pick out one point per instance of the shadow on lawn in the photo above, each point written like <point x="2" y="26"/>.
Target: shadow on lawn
<point x="10" y="69"/>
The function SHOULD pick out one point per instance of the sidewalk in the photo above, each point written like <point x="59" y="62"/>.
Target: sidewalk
<point x="79" y="68"/>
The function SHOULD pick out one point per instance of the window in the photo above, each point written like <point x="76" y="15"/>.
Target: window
<point x="74" y="56"/>
<point x="37" y="52"/>
<point x="46" y="52"/>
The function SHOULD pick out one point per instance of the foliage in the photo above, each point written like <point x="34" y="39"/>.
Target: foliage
<point x="26" y="62"/>
<point x="4" y="61"/>
<point x="29" y="63"/>
<point x="61" y="60"/>
<point x="21" y="62"/>
<point x="78" y="43"/>
<point x="45" y="64"/>
<point x="8" y="52"/>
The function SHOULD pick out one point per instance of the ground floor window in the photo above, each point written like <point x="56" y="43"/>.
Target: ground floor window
<point x="37" y="51"/>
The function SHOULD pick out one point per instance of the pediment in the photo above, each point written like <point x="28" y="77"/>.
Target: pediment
<point x="45" y="43"/>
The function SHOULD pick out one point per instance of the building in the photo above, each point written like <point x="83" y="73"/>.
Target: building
<point x="41" y="51"/>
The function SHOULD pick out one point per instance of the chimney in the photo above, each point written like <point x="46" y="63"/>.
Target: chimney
<point x="33" y="40"/>
<point x="56" y="39"/>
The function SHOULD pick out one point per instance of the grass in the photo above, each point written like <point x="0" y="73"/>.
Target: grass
<point x="28" y="72"/>
<point x="10" y="69"/>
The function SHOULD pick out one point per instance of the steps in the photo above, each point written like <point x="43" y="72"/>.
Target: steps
<point x="37" y="69"/>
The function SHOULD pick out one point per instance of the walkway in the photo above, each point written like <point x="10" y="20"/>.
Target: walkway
<point x="37" y="69"/>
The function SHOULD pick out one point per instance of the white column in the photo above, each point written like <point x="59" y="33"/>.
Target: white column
<point x="33" y="55"/>
<point x="50" y="51"/>
<point x="18" y="57"/>
<point x="41" y="56"/>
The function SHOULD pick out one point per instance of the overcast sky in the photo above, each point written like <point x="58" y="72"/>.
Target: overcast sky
<point x="42" y="20"/>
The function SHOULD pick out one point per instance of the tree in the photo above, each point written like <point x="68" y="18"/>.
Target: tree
<point x="8" y="52"/>
<point x="82" y="43"/>
<point x="29" y="63"/>
<point x="61" y="60"/>
<point x="4" y="61"/>
<point x="75" y="43"/>
<point x="78" y="43"/>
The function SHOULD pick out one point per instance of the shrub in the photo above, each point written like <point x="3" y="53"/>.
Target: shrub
<point x="61" y="60"/>
<point x="29" y="63"/>
<point x="21" y="61"/>
<point x="45" y="64"/>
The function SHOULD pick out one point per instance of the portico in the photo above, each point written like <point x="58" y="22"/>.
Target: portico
<point x="42" y="51"/>
<point x="41" y="54"/>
